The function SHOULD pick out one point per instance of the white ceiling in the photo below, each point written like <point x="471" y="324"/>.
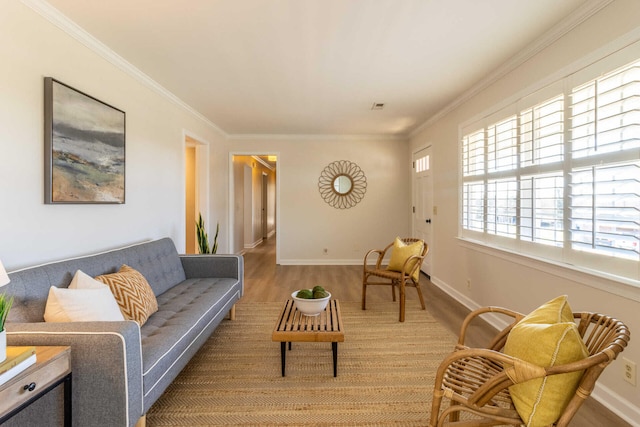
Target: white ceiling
<point x="316" y="66"/>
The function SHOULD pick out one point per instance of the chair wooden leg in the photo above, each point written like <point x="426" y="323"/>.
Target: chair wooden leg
<point x="364" y="294"/>
<point x="402" y="302"/>
<point x="435" y="406"/>
<point x="393" y="292"/>
<point x="424" y="307"/>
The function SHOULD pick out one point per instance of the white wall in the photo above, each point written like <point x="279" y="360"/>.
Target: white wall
<point x="306" y="224"/>
<point x="511" y="281"/>
<point x="32" y="232"/>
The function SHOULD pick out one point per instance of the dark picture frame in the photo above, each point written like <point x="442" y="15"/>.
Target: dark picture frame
<point x="84" y="143"/>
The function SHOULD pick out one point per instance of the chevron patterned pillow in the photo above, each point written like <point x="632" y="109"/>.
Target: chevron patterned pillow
<point x="132" y="292"/>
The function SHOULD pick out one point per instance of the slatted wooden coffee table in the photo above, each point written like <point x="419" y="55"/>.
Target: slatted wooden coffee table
<point x="293" y="326"/>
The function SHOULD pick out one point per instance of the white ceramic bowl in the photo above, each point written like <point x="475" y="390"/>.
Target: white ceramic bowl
<point x="311" y="307"/>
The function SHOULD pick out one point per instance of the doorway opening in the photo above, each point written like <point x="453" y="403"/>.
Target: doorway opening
<point x="196" y="154"/>
<point x="254" y="199"/>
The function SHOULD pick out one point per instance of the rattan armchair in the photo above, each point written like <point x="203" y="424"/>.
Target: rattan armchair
<point x="395" y="279"/>
<point x="476" y="385"/>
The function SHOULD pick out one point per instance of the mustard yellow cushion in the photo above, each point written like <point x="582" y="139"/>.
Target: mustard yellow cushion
<point x="541" y="401"/>
<point x="132" y="292"/>
<point x="555" y="311"/>
<point x="400" y="252"/>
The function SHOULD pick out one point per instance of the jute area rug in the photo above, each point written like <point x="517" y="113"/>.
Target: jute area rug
<point x="385" y="376"/>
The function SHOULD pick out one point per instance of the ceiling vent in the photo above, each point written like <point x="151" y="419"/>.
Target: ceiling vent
<point x="377" y="106"/>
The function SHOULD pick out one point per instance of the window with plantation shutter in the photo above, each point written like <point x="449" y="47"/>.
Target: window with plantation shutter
<point x="562" y="173"/>
<point x="473" y="206"/>
<point x="542" y="134"/>
<point x="605" y="187"/>
<point x="473" y="153"/>
<point x="606" y="113"/>
<point x="502" y="145"/>
<point x="501" y="207"/>
<point x="605" y="206"/>
<point x="541" y="213"/>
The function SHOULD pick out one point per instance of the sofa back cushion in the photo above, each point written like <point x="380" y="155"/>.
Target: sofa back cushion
<point x="157" y="260"/>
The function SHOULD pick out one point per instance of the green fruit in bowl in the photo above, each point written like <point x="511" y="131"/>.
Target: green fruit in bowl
<point x="320" y="294"/>
<point x="317" y="288"/>
<point x="305" y="294"/>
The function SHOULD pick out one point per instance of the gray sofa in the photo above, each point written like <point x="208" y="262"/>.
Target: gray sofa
<point x="119" y="368"/>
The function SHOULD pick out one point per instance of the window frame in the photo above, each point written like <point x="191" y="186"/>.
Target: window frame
<point x="563" y="257"/>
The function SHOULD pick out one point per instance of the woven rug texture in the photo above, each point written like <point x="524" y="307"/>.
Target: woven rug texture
<point x="385" y="376"/>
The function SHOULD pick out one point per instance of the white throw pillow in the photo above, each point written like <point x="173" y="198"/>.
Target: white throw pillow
<point x="82" y="280"/>
<point x="81" y="305"/>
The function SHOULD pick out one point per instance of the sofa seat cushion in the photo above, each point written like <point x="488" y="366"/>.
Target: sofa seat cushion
<point x="187" y="313"/>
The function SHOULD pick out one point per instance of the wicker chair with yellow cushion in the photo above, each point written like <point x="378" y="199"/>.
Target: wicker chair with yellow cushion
<point x="407" y="255"/>
<point x="536" y="372"/>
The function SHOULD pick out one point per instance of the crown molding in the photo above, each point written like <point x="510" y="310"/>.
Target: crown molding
<point x="54" y="16"/>
<point x="586" y="11"/>
<point x="317" y="137"/>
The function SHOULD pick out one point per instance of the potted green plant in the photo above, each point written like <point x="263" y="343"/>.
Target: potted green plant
<point x="203" y="237"/>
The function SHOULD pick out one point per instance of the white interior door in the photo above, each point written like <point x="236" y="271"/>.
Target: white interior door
<point x="423" y="202"/>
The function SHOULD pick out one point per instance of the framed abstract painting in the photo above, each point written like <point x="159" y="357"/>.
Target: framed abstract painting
<point x="84" y="140"/>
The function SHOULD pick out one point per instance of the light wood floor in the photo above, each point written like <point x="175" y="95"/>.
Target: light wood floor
<point x="267" y="282"/>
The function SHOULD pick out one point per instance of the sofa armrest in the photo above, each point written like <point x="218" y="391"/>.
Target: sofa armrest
<point x="106" y="362"/>
<point x="199" y="266"/>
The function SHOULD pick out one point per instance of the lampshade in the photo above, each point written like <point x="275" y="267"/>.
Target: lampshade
<point x="4" y="277"/>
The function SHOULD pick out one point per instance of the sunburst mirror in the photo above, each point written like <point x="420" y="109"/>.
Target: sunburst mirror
<point x="342" y="184"/>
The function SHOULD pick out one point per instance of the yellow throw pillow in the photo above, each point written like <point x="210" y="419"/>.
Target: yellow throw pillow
<point x="401" y="252"/>
<point x="541" y="401"/>
<point x="132" y="292"/>
<point x="555" y="311"/>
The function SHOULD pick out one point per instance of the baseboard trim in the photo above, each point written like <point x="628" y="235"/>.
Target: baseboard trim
<point x="617" y="404"/>
<point x="321" y="261"/>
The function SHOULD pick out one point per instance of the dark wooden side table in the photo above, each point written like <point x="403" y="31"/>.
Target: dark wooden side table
<point x="293" y="326"/>
<point x="52" y="368"/>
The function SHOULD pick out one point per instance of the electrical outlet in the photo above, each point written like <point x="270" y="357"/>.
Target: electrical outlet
<point x="629" y="371"/>
<point x="468" y="283"/>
